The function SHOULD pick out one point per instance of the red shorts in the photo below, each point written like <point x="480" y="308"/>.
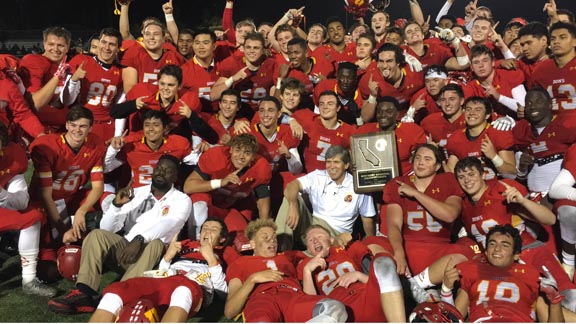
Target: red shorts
<point x="236" y="217"/>
<point x="157" y="290"/>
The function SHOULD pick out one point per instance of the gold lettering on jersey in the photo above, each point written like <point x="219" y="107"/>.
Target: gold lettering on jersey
<point x="201" y="278"/>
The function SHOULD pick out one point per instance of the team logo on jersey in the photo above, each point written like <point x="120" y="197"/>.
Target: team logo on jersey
<point x="339" y="134"/>
<point x="520" y="270"/>
<point x="168" y="61"/>
<point x="348" y="198"/>
<point x="3" y="172"/>
<point x="487" y="202"/>
<point x="435" y="190"/>
<point x="165" y="210"/>
<point x="248" y="179"/>
<point x="116" y="72"/>
<point x="551" y="134"/>
<point x="86" y="155"/>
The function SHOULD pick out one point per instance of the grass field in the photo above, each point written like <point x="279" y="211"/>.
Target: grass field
<point x="15" y="306"/>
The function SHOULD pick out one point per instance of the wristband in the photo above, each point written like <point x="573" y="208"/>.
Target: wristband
<point x="288" y="15"/>
<point x="215" y="184"/>
<point x="229" y="82"/>
<point x="372" y="99"/>
<point x="169" y="17"/>
<point x="446" y="291"/>
<point x="279" y="83"/>
<point x="462" y="60"/>
<point x="497" y="161"/>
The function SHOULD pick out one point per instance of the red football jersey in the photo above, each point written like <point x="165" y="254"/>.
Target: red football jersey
<point x="504" y="81"/>
<point x="419" y="225"/>
<point x="197" y="78"/>
<point x="268" y="148"/>
<point x="439" y="128"/>
<point x="339" y="262"/>
<point x="491" y="210"/>
<point x="56" y="165"/>
<point x="247" y="265"/>
<point x="218" y="127"/>
<point x="36" y="70"/>
<point x="143" y="160"/>
<point x="16" y="109"/>
<point x="408" y="136"/>
<point x="412" y="82"/>
<point x="320" y="66"/>
<point x="461" y="146"/>
<point x="319" y="138"/>
<point x="527" y="68"/>
<point x="335" y="57"/>
<point x="434" y="53"/>
<point x="13" y="162"/>
<point x="147" y="67"/>
<point x="570" y="160"/>
<point x="345" y="113"/>
<point x="216" y="164"/>
<point x="504" y="295"/>
<point x="559" y="82"/>
<point x="152" y="101"/>
<point x="100" y="88"/>
<point x="555" y="138"/>
<point x="256" y="86"/>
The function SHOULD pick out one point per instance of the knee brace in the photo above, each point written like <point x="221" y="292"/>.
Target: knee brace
<point x="567" y="219"/>
<point x="385" y="271"/>
<point x="329" y="311"/>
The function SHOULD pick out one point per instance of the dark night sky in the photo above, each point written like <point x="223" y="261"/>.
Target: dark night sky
<point x="95" y="14"/>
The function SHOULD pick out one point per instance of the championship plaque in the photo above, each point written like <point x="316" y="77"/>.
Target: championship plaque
<point x="375" y="158"/>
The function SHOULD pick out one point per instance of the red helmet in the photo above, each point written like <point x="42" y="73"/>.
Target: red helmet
<point x="435" y="312"/>
<point x="139" y="311"/>
<point x="69" y="261"/>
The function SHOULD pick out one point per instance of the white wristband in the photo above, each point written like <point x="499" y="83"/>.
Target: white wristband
<point x="372" y="99"/>
<point x="229" y="82"/>
<point x="169" y="17"/>
<point x="446" y="290"/>
<point x="497" y="161"/>
<point x="279" y="83"/>
<point x="463" y="60"/>
<point x="216" y="183"/>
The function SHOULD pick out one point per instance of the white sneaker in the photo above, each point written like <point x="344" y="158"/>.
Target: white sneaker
<point x="35" y="287"/>
<point x="419" y="294"/>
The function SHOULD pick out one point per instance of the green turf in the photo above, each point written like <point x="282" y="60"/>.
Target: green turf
<point x="15" y="306"/>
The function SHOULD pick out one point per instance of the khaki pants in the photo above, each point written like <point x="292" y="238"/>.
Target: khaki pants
<point x="102" y="246"/>
<point x="287" y="235"/>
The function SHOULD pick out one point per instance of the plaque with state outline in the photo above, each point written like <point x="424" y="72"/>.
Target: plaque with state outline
<point x="375" y="159"/>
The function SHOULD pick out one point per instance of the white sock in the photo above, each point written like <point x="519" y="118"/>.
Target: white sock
<point x="423" y="279"/>
<point x="28" y="248"/>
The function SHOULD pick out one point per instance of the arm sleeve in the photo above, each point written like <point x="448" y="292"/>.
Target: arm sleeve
<point x="262" y="191"/>
<point x="73" y="90"/>
<point x="443" y="11"/>
<point x="15" y="195"/>
<point x="294" y="163"/>
<point x="201" y="127"/>
<point x="110" y="161"/>
<point x="519" y="93"/>
<point x="123" y="110"/>
<point x="510" y="103"/>
<point x="562" y="188"/>
<point x="228" y="24"/>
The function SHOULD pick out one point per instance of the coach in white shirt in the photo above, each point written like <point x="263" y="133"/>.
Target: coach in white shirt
<point x="335" y="205"/>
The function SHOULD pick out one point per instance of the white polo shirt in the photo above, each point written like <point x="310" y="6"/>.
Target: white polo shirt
<point x="338" y="205"/>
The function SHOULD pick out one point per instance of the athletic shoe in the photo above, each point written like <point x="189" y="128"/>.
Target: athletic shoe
<point x="73" y="303"/>
<point x="35" y="287"/>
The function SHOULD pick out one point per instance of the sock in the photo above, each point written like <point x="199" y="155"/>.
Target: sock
<point x="86" y="289"/>
<point x="567" y="258"/>
<point x="28" y="249"/>
<point x="423" y="279"/>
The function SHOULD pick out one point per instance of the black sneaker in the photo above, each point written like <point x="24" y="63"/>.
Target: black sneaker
<point x="73" y="303"/>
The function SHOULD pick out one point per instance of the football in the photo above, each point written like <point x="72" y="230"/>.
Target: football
<point x="69" y="261"/>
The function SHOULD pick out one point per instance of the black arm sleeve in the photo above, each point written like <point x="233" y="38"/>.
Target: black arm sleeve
<point x="201" y="174"/>
<point x="262" y="191"/>
<point x="202" y="129"/>
<point x="123" y="110"/>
